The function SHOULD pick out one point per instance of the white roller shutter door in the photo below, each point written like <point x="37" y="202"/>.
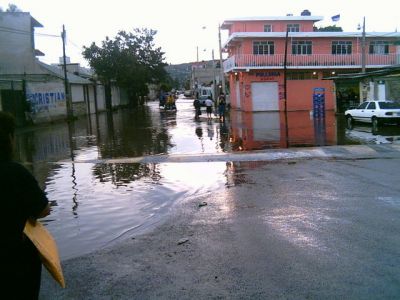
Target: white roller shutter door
<point x="265" y="96"/>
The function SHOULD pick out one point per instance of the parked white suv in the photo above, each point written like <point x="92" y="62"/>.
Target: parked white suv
<point x="375" y="112"/>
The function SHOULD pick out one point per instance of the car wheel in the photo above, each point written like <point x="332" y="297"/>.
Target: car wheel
<point x="375" y="122"/>
<point x="349" y="121"/>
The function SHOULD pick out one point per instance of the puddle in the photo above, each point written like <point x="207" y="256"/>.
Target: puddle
<point x="95" y="205"/>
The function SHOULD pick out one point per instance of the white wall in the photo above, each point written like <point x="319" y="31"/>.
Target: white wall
<point x="115" y="96"/>
<point x="91" y="99"/>
<point x="77" y="93"/>
<point x="101" y="100"/>
<point x="17" y="50"/>
<point x="47" y="100"/>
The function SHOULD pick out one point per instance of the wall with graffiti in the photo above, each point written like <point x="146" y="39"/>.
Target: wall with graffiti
<point x="47" y="100"/>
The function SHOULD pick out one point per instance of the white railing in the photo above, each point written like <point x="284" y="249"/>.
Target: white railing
<point x="250" y="61"/>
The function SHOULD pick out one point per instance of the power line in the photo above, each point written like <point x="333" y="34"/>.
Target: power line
<point x="25" y="32"/>
<point x="47" y="34"/>
<point x="75" y="45"/>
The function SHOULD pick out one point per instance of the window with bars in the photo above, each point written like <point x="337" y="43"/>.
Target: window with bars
<point x="293" y="27"/>
<point x="267" y="28"/>
<point x="263" y="47"/>
<point x="378" y="47"/>
<point x="301" y="47"/>
<point x="342" y="47"/>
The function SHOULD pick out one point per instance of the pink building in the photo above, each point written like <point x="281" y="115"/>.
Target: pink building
<point x="256" y="60"/>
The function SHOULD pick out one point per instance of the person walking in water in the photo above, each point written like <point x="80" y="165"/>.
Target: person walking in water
<point x="197" y="107"/>
<point x="209" y="106"/>
<point x="221" y="107"/>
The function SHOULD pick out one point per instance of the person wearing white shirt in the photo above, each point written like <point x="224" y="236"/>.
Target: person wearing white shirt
<point x="209" y="105"/>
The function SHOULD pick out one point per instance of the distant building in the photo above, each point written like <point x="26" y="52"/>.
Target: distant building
<point x="206" y="74"/>
<point x="263" y="78"/>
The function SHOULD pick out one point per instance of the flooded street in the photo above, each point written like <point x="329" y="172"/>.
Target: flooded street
<point x="95" y="204"/>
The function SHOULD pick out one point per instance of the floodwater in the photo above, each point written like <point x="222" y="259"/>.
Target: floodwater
<point x="95" y="204"/>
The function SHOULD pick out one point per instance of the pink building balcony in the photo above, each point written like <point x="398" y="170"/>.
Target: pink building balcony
<point x="314" y="61"/>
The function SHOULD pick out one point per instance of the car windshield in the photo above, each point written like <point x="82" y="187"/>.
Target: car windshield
<point x="389" y="105"/>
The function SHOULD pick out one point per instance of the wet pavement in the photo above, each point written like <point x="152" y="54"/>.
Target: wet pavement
<point x="122" y="166"/>
<point x="152" y="204"/>
<point x="318" y="226"/>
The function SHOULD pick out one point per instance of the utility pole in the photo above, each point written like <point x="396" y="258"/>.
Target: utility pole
<point x="285" y="87"/>
<point x="363" y="54"/>
<point x="214" y="75"/>
<point x="66" y="85"/>
<point x="285" y="70"/>
<point x="221" y="67"/>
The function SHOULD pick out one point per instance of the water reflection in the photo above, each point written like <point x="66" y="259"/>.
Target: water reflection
<point x="113" y="201"/>
<point x="123" y="174"/>
<point x="265" y="130"/>
<point x="149" y="131"/>
<point x="95" y="203"/>
<point x="367" y="134"/>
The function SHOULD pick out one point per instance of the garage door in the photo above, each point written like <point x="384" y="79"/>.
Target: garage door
<point x="265" y="96"/>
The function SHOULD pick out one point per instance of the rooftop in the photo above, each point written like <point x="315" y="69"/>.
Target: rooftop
<point x="229" y="22"/>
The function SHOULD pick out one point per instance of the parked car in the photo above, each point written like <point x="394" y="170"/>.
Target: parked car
<point x="188" y="94"/>
<point x="375" y="112"/>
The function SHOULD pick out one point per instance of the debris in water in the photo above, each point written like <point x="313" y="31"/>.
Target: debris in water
<point x="182" y="241"/>
<point x="204" y="203"/>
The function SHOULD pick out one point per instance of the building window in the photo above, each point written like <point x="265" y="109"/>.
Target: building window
<point x="378" y="47"/>
<point x="301" y="47"/>
<point x="293" y="27"/>
<point x="341" y="47"/>
<point x="267" y="28"/>
<point x="264" y="47"/>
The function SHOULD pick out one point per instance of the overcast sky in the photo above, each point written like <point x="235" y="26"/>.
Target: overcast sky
<point x="183" y="26"/>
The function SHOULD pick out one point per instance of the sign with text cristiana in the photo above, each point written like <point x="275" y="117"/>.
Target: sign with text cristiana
<point x="46" y="97"/>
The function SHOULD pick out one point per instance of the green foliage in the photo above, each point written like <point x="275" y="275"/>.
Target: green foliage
<point x="130" y="59"/>
<point x="11" y="8"/>
<point x="332" y="28"/>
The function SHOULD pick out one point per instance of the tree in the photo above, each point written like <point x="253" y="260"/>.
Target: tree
<point x="130" y="59"/>
<point x="11" y="8"/>
<point x="332" y="28"/>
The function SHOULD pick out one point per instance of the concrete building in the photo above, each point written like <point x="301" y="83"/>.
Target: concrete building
<point x="206" y="74"/>
<point x="34" y="91"/>
<point x="278" y="63"/>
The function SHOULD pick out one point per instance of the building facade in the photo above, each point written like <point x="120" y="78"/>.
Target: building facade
<point x="34" y="91"/>
<point x="279" y="63"/>
<point x="206" y="74"/>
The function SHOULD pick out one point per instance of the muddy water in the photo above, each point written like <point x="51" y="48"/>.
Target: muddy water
<point x="96" y="204"/>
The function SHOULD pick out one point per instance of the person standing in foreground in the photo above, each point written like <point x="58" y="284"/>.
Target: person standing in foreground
<point x="22" y="200"/>
<point x="209" y="104"/>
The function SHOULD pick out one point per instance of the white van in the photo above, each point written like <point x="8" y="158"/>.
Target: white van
<point x="206" y="91"/>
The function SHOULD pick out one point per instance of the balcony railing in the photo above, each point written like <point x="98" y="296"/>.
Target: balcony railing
<point x="315" y="61"/>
